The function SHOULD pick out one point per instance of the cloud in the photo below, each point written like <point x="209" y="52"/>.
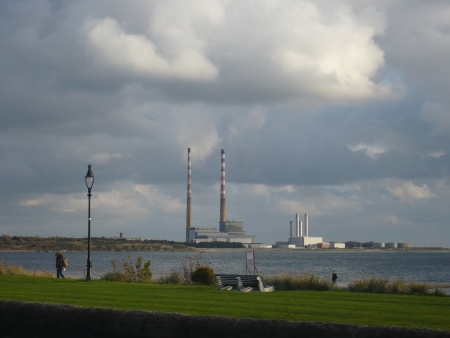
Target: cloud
<point x="438" y="115"/>
<point x="335" y="109"/>
<point x="136" y="53"/>
<point x="370" y="150"/>
<point x="107" y="157"/>
<point x="409" y="191"/>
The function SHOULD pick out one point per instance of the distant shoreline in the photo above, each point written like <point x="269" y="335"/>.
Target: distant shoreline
<point x="252" y="249"/>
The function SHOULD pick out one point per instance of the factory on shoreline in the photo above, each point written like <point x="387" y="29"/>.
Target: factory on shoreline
<point x="228" y="231"/>
<point x="233" y="231"/>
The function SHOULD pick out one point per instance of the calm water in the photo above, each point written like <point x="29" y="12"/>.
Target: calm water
<point x="429" y="267"/>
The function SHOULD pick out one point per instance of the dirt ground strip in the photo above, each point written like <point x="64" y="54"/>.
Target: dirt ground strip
<point x="21" y="319"/>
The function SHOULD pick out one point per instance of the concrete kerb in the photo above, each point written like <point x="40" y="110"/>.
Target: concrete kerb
<point x="18" y="319"/>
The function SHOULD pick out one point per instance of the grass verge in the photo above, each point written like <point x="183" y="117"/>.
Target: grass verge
<point x="327" y="306"/>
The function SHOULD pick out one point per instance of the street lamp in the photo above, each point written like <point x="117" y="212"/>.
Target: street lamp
<point x="89" y="179"/>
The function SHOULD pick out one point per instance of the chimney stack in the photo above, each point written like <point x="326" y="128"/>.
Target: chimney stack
<point x="223" y="205"/>
<point x="297" y="224"/>
<point x="306" y="225"/>
<point x="189" y="197"/>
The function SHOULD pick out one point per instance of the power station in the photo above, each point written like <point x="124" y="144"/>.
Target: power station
<point x="229" y="231"/>
<point x="233" y="231"/>
<point x="298" y="238"/>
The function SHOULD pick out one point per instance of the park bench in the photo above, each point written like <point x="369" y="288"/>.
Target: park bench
<point x="254" y="281"/>
<point x="241" y="286"/>
<point x="220" y="285"/>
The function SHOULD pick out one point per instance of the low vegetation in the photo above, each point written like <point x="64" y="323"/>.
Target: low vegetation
<point x="381" y="285"/>
<point x="132" y="271"/>
<point x="203" y="275"/>
<point x="12" y="270"/>
<point x="183" y="275"/>
<point x="191" y="271"/>
<point x="288" y="282"/>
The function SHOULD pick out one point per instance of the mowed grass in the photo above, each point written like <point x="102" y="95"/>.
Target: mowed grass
<point x="324" y="306"/>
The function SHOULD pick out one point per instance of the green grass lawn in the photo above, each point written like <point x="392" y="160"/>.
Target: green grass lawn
<point x="324" y="306"/>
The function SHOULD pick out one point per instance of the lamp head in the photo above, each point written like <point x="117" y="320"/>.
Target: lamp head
<point x="89" y="178"/>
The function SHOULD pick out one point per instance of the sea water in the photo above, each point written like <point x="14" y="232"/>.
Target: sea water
<point x="418" y="266"/>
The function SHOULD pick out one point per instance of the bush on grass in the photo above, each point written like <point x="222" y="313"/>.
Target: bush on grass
<point x="438" y="292"/>
<point x="418" y="289"/>
<point x="372" y="285"/>
<point x="188" y="266"/>
<point x="171" y="278"/>
<point x="288" y="282"/>
<point x="399" y="287"/>
<point x="13" y="270"/>
<point x="203" y="275"/>
<point x="132" y="271"/>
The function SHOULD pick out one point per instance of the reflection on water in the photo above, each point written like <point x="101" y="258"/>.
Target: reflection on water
<point x="429" y="267"/>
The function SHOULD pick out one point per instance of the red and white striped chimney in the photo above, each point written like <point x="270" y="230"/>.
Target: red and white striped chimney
<point x="223" y="205"/>
<point x="189" y="197"/>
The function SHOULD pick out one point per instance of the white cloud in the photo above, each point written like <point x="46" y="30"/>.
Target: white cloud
<point x="331" y="54"/>
<point x="56" y="203"/>
<point x="370" y="150"/>
<point x="408" y="190"/>
<point x="135" y="53"/>
<point x="31" y="203"/>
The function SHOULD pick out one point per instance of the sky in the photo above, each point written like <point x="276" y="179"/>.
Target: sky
<point x="335" y="109"/>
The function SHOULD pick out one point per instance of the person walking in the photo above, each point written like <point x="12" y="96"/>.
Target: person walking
<point x="59" y="264"/>
<point x="334" y="277"/>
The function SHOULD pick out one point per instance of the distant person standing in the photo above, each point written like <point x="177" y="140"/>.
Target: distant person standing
<point x="334" y="277"/>
<point x="59" y="264"/>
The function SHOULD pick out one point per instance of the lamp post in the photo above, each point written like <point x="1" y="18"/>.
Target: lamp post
<point x="89" y="179"/>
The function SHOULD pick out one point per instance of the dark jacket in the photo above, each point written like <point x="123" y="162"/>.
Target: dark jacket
<point x="59" y="261"/>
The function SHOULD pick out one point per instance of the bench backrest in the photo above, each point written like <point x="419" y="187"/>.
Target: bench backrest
<point x="247" y="280"/>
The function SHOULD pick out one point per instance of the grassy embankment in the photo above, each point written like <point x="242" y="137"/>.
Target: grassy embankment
<point x="326" y="306"/>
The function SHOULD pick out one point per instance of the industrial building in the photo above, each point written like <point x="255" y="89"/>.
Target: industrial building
<point x="229" y="231"/>
<point x="298" y="239"/>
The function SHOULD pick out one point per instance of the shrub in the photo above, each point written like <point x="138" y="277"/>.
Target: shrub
<point x="116" y="276"/>
<point x="438" y="292"/>
<point x="203" y="275"/>
<point x="288" y="282"/>
<point x="172" y="278"/>
<point x="378" y="285"/>
<point x="13" y="270"/>
<point x="2" y="267"/>
<point x="189" y="266"/>
<point x="372" y="285"/>
<point x="132" y="272"/>
<point x="419" y="289"/>
<point x="399" y="287"/>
